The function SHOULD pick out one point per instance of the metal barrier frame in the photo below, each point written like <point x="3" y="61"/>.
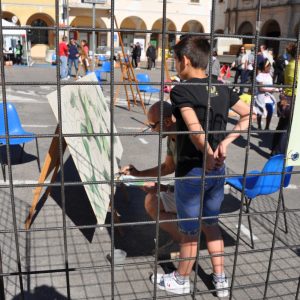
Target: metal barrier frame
<point x="64" y="228"/>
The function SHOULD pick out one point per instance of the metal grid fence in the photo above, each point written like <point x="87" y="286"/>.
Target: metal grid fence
<point x="65" y="231"/>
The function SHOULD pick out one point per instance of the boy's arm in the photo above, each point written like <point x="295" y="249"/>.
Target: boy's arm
<point x="191" y="120"/>
<point x="243" y="110"/>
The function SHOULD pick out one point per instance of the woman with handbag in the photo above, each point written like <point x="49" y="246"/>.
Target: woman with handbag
<point x="284" y="104"/>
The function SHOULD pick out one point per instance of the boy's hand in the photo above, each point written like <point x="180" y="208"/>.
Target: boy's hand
<point x="210" y="162"/>
<point x="129" y="170"/>
<point x="220" y="154"/>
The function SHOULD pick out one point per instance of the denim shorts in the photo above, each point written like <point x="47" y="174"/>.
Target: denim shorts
<point x="188" y="193"/>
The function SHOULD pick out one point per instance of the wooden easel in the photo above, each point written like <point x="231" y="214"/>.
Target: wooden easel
<point x="128" y="76"/>
<point x="52" y="163"/>
<point x="125" y="77"/>
<point x="168" y="77"/>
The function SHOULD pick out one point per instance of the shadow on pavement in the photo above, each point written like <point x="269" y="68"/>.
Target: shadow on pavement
<point x="78" y="207"/>
<point x="135" y="240"/>
<point x="16" y="157"/>
<point x="230" y="204"/>
<point x="206" y="278"/>
<point x="242" y="143"/>
<point x="42" y="292"/>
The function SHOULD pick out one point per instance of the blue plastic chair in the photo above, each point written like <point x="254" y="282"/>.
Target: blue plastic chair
<point x="15" y="128"/>
<point x="53" y="59"/>
<point x="146" y="88"/>
<point x="263" y="185"/>
<point x="102" y="58"/>
<point x="105" y="68"/>
<point x="98" y="73"/>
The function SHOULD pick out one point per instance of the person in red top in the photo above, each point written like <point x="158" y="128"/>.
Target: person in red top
<point x="63" y="56"/>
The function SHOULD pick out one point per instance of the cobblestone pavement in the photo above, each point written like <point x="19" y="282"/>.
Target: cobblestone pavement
<point x="42" y="252"/>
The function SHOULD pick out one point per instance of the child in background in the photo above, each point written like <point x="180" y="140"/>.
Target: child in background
<point x="264" y="102"/>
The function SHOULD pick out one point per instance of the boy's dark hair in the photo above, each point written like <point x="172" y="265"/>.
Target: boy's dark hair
<point x="263" y="64"/>
<point x="195" y="48"/>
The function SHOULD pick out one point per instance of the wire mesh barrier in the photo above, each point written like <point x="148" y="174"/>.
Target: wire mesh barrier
<point x="84" y="226"/>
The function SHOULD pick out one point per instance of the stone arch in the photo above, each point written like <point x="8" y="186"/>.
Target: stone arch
<point x="136" y="23"/>
<point x="42" y="16"/>
<point x="170" y="38"/>
<point x="40" y="36"/>
<point x="83" y="21"/>
<point x="192" y="26"/>
<point x="157" y="25"/>
<point x="220" y="31"/>
<point x="246" y="28"/>
<point x="87" y="21"/>
<point x="271" y="28"/>
<point x="133" y="22"/>
<point x="7" y="15"/>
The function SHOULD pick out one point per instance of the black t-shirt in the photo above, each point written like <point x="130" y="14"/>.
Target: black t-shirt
<point x="196" y="96"/>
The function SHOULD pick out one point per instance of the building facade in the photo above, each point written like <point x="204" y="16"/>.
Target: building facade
<point x="32" y="13"/>
<point x="279" y="18"/>
<point x="182" y="15"/>
<point x="143" y="15"/>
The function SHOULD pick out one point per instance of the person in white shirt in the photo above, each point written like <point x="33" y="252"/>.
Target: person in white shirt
<point x="264" y="100"/>
<point x="240" y="65"/>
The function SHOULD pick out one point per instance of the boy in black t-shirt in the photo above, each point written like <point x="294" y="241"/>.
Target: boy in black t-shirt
<point x="190" y="104"/>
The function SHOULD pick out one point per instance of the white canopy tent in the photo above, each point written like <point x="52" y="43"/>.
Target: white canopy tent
<point x="11" y="36"/>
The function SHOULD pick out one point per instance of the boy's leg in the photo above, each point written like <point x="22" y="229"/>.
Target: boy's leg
<point x="188" y="249"/>
<point x="213" y="198"/>
<point x="215" y="246"/>
<point x="188" y="192"/>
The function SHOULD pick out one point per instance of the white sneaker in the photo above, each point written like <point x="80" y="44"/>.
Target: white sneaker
<point x="68" y="77"/>
<point x="221" y="288"/>
<point x="168" y="283"/>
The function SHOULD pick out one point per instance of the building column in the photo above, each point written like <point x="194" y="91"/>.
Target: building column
<point x="108" y="39"/>
<point x="148" y="37"/>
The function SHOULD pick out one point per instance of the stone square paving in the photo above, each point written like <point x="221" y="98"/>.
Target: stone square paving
<point x="42" y="252"/>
